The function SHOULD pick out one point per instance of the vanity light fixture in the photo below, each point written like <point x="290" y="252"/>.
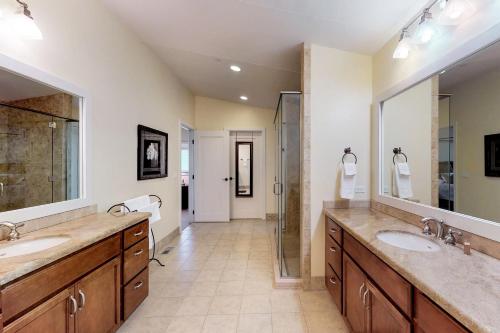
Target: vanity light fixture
<point x="404" y="46"/>
<point x="23" y="24"/>
<point x="235" y="68"/>
<point x="453" y="11"/>
<point x="244" y="98"/>
<point x="426" y="28"/>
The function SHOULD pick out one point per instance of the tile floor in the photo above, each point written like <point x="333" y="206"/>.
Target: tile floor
<point x="218" y="279"/>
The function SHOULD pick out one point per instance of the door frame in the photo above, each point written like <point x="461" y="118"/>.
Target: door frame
<point x="191" y="186"/>
<point x="263" y="161"/>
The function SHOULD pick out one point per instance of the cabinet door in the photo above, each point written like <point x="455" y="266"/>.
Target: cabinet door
<point x="98" y="297"/>
<point x="56" y="315"/>
<point x="382" y="316"/>
<point x="354" y="288"/>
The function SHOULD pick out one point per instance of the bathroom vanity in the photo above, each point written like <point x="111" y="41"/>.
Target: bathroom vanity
<point x="91" y="283"/>
<point x="382" y="288"/>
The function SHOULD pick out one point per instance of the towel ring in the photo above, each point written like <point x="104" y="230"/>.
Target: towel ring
<point x="119" y="205"/>
<point x="347" y="151"/>
<point x="398" y="151"/>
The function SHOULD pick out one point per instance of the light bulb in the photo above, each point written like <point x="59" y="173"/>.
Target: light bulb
<point x="425" y="30"/>
<point x="453" y="11"/>
<point x="404" y="46"/>
<point x="23" y="25"/>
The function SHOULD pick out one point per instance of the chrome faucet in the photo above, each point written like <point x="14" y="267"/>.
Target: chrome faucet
<point x="14" y="234"/>
<point x="439" y="226"/>
<point x="450" y="238"/>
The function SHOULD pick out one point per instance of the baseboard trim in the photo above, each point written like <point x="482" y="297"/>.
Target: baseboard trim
<point x="162" y="243"/>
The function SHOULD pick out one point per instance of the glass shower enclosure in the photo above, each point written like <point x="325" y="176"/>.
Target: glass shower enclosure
<point x="287" y="184"/>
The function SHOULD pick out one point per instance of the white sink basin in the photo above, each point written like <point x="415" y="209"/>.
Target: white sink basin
<point x="408" y="241"/>
<point x="21" y="248"/>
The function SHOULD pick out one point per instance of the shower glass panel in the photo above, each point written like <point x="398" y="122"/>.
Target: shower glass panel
<point x="287" y="184"/>
<point x="39" y="156"/>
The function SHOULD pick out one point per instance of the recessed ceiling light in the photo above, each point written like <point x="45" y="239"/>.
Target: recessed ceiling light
<point x="235" y="68"/>
<point x="443" y="71"/>
<point x="244" y="98"/>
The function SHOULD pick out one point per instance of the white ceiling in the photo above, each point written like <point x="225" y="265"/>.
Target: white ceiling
<point x="199" y="39"/>
<point x="15" y="87"/>
<point x="483" y="62"/>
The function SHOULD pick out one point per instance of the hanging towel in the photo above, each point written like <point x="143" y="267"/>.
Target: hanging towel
<point x="143" y="204"/>
<point x="401" y="183"/>
<point x="139" y="202"/>
<point x="348" y="180"/>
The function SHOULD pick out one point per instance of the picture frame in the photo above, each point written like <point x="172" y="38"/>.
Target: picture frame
<point x="492" y="155"/>
<point x="152" y="153"/>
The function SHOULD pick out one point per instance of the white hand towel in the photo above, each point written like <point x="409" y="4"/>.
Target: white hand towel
<point x="402" y="181"/>
<point x="348" y="180"/>
<point x="154" y="209"/>
<point x="136" y="203"/>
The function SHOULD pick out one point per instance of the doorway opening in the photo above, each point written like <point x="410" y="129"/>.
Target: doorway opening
<point x="187" y="178"/>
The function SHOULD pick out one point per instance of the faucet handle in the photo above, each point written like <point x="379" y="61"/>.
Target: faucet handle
<point x="450" y="238"/>
<point x="427" y="229"/>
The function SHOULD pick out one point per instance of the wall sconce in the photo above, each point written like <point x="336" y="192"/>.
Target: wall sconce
<point x="22" y="23"/>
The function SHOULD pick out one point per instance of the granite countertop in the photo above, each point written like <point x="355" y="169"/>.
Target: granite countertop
<point x="82" y="232"/>
<point x="467" y="287"/>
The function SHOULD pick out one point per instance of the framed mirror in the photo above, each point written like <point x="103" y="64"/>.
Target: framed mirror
<point x="440" y="143"/>
<point x="244" y="169"/>
<point x="42" y="144"/>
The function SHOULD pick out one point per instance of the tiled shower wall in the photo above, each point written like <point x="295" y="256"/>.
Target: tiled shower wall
<point x="31" y="151"/>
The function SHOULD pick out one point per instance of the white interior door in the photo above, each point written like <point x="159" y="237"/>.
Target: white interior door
<point x="212" y="176"/>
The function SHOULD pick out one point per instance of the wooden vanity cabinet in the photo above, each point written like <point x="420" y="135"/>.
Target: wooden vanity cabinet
<point x="80" y="293"/>
<point x="376" y="299"/>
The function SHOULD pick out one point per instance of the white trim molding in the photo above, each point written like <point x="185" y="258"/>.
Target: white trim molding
<point x="86" y="189"/>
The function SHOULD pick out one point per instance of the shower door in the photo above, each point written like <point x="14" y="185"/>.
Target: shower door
<point x="287" y="184"/>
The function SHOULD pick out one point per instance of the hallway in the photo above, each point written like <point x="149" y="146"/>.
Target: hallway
<point x="218" y="278"/>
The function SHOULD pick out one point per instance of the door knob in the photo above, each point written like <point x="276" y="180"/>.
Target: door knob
<point x="225" y="179"/>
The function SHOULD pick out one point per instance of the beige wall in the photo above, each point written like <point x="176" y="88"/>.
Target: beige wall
<point x="128" y="85"/>
<point x="407" y="120"/>
<point x="214" y="114"/>
<point x="474" y="113"/>
<point x="341" y="95"/>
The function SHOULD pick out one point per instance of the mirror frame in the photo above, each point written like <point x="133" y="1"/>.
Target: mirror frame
<point x="85" y="178"/>
<point x="237" y="171"/>
<point x="485" y="228"/>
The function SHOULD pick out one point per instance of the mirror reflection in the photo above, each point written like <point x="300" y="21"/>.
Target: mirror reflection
<point x="441" y="139"/>
<point x="39" y="143"/>
<point x="244" y="169"/>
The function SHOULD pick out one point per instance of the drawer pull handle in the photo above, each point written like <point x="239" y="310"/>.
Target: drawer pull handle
<point x="364" y="296"/>
<point x="82" y="300"/>
<point x="74" y="305"/>
<point x="333" y="249"/>
<point x="137" y="234"/>
<point x="332" y="281"/>
<point x="361" y="289"/>
<point x="138" y="285"/>
<point x="138" y="253"/>
<point x="333" y="231"/>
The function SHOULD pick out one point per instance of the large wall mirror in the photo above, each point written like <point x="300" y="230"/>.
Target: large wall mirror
<point x="40" y="143"/>
<point x="441" y="139"/>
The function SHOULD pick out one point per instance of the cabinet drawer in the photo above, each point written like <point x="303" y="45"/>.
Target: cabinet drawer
<point x="334" y="286"/>
<point x="334" y="230"/>
<point x="333" y="255"/>
<point x="135" y="292"/>
<point x="22" y="294"/>
<point x="397" y="288"/>
<point x="430" y="318"/>
<point x="135" y="259"/>
<point x="136" y="233"/>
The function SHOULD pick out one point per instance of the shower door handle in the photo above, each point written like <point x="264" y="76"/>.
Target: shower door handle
<point x="280" y="189"/>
